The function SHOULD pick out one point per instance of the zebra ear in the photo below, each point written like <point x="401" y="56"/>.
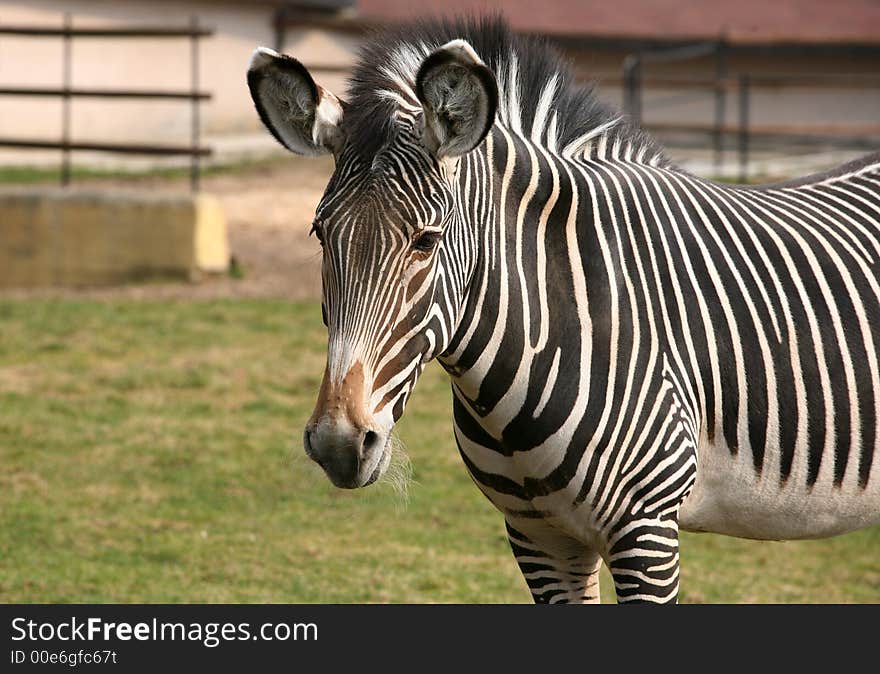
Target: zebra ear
<point x="304" y="117"/>
<point x="459" y="96"/>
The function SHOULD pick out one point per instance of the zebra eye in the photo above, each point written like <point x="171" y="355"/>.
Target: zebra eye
<point x="425" y="242"/>
<point x="317" y="231"/>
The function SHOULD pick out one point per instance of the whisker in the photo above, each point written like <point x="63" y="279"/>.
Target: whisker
<point x="399" y="473"/>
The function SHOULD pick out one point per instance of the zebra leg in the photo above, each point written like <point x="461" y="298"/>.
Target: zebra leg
<point x="643" y="560"/>
<point x="557" y="572"/>
<point x="641" y="541"/>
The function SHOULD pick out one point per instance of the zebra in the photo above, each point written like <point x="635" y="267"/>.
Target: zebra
<point x="633" y="350"/>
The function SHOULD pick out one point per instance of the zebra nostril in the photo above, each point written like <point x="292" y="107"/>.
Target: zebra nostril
<point x="371" y="438"/>
<point x="307" y="445"/>
<point x="307" y="441"/>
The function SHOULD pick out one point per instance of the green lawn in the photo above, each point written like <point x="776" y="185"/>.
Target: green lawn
<point x="27" y="174"/>
<point x="150" y="452"/>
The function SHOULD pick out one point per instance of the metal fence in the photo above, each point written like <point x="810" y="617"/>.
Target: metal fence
<point x="193" y="32"/>
<point x="741" y="85"/>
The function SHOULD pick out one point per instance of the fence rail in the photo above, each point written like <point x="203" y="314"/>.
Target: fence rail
<point x="121" y="148"/>
<point x="821" y="81"/>
<point x="105" y="93"/>
<point x="193" y="30"/>
<point x="66" y="92"/>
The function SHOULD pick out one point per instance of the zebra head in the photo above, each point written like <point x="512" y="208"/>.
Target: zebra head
<point x="395" y="226"/>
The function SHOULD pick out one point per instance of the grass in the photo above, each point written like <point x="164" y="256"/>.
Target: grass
<point x="151" y="453"/>
<point x="38" y="175"/>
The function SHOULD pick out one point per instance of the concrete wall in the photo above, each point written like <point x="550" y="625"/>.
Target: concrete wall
<point x="58" y="237"/>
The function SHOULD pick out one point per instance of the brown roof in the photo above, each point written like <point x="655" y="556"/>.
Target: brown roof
<point x="740" y="21"/>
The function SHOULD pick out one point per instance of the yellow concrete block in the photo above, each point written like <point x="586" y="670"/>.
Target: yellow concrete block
<point x="212" y="241"/>
<point x="81" y="238"/>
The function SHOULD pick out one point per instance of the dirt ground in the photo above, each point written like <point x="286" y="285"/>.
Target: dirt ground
<point x="269" y="209"/>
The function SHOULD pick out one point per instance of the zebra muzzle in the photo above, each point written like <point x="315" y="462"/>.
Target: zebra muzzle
<point x="351" y="457"/>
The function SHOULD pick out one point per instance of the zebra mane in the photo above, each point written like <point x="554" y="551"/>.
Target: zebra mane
<point x="538" y="96"/>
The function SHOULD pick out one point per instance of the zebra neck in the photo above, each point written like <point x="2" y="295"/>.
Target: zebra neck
<point x="528" y="292"/>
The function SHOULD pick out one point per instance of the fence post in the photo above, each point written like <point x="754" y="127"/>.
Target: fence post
<point x="195" y="136"/>
<point x="632" y="76"/>
<point x="278" y="25"/>
<point x="66" y="77"/>
<point x="720" y="103"/>
<point x="743" y="128"/>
